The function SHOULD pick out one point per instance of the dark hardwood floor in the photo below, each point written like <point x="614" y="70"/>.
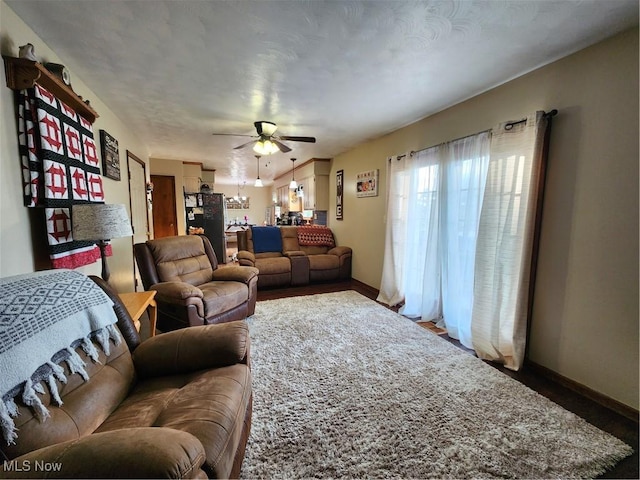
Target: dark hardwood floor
<point x="618" y="425"/>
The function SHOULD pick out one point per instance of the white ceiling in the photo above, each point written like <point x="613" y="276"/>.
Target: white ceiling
<point x="343" y="71"/>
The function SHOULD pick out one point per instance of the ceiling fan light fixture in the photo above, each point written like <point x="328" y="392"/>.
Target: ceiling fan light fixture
<point x="265" y="147"/>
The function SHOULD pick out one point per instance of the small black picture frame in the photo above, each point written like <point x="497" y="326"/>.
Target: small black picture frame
<point x="110" y="156"/>
<point x="339" y="194"/>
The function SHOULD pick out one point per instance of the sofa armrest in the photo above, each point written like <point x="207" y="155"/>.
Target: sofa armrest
<point x="246" y="258"/>
<point x="242" y="274"/>
<point x="176" y="292"/>
<point x="339" y="251"/>
<point x="150" y="452"/>
<point x="181" y="294"/>
<point x="191" y="349"/>
<point x="294" y="253"/>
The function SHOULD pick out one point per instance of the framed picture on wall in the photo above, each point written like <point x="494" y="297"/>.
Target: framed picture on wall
<point x="110" y="156"/>
<point x="339" y="191"/>
<point x="367" y="184"/>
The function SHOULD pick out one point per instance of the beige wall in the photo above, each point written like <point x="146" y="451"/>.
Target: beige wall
<point x="585" y="321"/>
<point x="20" y="250"/>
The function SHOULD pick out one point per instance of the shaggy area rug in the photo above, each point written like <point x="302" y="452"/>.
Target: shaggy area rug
<point x="345" y="388"/>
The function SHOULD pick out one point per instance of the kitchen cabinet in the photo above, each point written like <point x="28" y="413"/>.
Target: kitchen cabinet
<point x="282" y="195"/>
<point x="316" y="192"/>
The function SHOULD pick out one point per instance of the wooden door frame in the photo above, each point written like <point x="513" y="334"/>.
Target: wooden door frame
<point x="131" y="156"/>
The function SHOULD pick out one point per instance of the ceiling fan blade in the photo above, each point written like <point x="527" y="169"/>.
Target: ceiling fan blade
<point x="234" y="135"/>
<point x="245" y="144"/>
<point x="298" y="139"/>
<point x="283" y="148"/>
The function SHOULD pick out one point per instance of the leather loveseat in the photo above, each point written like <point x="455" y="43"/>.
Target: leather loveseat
<point x="291" y="256"/>
<point x="192" y="290"/>
<point x="177" y="405"/>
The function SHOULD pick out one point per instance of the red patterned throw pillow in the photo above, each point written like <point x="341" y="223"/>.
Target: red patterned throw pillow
<point x="315" y="235"/>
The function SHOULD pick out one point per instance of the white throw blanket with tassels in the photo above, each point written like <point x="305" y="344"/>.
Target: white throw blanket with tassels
<point x="44" y="317"/>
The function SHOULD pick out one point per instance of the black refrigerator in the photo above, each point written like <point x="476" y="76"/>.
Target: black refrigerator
<point x="207" y="211"/>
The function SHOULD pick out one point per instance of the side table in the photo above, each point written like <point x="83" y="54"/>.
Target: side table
<point x="136" y="303"/>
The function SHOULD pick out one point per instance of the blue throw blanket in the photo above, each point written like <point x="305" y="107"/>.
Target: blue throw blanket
<point x="44" y="316"/>
<point x="266" y="239"/>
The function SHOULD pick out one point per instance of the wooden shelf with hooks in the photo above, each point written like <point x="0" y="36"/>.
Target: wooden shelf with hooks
<point x="22" y="73"/>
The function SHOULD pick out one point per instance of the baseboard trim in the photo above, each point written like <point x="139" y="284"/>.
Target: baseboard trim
<point x="365" y="289"/>
<point x="607" y="402"/>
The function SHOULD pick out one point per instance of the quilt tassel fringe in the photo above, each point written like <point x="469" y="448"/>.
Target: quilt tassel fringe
<point x="76" y="365"/>
<point x="90" y="349"/>
<point x="30" y="399"/>
<point x="114" y="334"/>
<point x="8" y="406"/>
<point x="57" y="373"/>
<point x="102" y="336"/>
<point x="6" y="422"/>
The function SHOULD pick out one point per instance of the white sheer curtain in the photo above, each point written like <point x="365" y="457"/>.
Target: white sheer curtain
<point x="439" y="222"/>
<point x="463" y="182"/>
<point x="505" y="241"/>
<point x="398" y="178"/>
<point x="422" y="296"/>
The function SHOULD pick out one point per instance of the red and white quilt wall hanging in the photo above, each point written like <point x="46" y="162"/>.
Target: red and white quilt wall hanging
<point x="60" y="167"/>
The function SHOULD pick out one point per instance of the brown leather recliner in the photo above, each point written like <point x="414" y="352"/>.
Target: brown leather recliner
<point x="177" y="405"/>
<point x="192" y="290"/>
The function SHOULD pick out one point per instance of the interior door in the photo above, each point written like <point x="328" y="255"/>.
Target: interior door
<point x="139" y="207"/>
<point x="165" y="222"/>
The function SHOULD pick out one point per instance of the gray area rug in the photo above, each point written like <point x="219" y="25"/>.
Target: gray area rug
<point x="344" y="387"/>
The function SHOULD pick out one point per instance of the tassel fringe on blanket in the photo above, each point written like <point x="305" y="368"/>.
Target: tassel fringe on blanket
<point x="45" y="317"/>
<point x="49" y="373"/>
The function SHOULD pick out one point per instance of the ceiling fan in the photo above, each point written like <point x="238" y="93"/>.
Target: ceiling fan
<point x="267" y="143"/>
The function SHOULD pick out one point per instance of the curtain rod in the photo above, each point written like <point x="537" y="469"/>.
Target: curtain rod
<point x="508" y="126"/>
<point x="400" y="157"/>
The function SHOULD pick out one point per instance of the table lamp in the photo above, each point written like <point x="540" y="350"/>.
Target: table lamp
<point x="99" y="223"/>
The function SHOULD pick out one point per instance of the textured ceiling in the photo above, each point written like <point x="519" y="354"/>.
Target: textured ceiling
<point x="342" y="71"/>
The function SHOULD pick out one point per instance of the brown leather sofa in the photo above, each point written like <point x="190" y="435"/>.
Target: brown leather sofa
<point x="192" y="290"/>
<point x="177" y="405"/>
<point x="296" y="264"/>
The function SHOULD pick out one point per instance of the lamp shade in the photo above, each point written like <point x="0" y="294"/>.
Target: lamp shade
<point x="99" y="221"/>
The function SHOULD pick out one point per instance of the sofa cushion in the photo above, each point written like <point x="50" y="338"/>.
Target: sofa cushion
<point x="323" y="262"/>
<point x="266" y="239"/>
<point x="273" y="265"/>
<point x="181" y="259"/>
<point x="220" y="297"/>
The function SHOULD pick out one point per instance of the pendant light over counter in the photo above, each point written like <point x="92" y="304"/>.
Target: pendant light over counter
<point x="293" y="185"/>
<point x="258" y="181"/>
